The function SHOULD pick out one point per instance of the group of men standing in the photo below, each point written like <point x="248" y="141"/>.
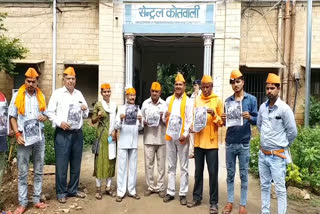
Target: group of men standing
<point x="275" y="122"/>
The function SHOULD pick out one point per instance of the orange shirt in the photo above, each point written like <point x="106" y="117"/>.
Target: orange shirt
<point x="207" y="138"/>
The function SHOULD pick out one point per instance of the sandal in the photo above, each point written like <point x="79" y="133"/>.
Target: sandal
<point x="80" y="195"/>
<point x="110" y="192"/>
<point x="40" y="205"/>
<point x="119" y="199"/>
<point x="135" y="196"/>
<point x="62" y="200"/>
<point x="20" y="210"/>
<point x="98" y="193"/>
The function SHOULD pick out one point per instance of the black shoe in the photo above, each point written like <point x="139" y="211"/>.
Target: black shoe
<point x="214" y="209"/>
<point x="168" y="198"/>
<point x="183" y="200"/>
<point x="193" y="203"/>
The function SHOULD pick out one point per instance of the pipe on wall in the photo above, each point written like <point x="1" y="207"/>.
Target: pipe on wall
<point x="54" y="44"/>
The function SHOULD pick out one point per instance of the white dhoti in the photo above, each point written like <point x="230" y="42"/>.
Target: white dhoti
<point x="150" y="152"/>
<point x="127" y="170"/>
<point x="174" y="149"/>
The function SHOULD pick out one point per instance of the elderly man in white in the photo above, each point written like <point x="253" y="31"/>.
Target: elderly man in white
<point x="127" y="147"/>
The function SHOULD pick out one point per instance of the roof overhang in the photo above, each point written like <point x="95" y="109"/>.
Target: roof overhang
<point x="71" y="62"/>
<point x="28" y="61"/>
<point x="313" y="66"/>
<point x="276" y="65"/>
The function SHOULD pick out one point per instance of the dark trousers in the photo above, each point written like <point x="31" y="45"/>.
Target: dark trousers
<point x="68" y="147"/>
<point x="211" y="156"/>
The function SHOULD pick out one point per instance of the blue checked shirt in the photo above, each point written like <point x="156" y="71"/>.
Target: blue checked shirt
<point x="242" y="134"/>
<point x="31" y="110"/>
<point x="276" y="125"/>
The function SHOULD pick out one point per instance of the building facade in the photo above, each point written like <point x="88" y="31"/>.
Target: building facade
<point x="123" y="42"/>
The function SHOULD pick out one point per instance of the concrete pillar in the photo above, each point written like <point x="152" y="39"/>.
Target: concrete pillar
<point x="129" y="59"/>
<point x="207" y="54"/>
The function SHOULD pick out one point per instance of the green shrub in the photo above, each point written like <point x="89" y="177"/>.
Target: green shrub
<point x="254" y="156"/>
<point x="305" y="152"/>
<point x="314" y="111"/>
<point x="89" y="134"/>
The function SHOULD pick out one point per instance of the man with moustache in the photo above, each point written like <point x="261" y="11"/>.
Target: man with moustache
<point x="238" y="141"/>
<point x="28" y="104"/>
<point x="127" y="147"/>
<point x="180" y="105"/>
<point x="278" y="130"/>
<point x="68" y="104"/>
<point x="206" y="145"/>
<point x="154" y="142"/>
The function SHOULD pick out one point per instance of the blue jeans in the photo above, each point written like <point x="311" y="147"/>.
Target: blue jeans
<point x="68" y="147"/>
<point x="243" y="153"/>
<point x="272" y="167"/>
<point x="23" y="157"/>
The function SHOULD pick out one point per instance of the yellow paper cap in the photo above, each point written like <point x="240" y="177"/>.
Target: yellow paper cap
<point x="105" y="86"/>
<point x="156" y="86"/>
<point x="70" y="71"/>
<point x="206" y="79"/>
<point x="131" y="91"/>
<point x="179" y="78"/>
<point x="273" y="79"/>
<point x="235" y="74"/>
<point x="32" y="73"/>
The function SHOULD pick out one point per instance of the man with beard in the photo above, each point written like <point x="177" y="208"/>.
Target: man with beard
<point x="206" y="145"/>
<point x="28" y="104"/>
<point x="278" y="130"/>
<point x="127" y="148"/>
<point x="179" y="105"/>
<point x="154" y="142"/>
<point x="68" y="141"/>
<point x="238" y="141"/>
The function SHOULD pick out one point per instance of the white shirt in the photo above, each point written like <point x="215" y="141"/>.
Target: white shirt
<point x="154" y="135"/>
<point x="59" y="102"/>
<point x="128" y="138"/>
<point x="176" y="111"/>
<point x="111" y="108"/>
<point x="31" y="111"/>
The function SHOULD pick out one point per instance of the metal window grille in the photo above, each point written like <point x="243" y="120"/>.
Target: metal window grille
<point x="255" y="85"/>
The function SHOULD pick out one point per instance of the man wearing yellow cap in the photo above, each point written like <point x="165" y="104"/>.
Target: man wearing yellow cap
<point x="278" y="130"/>
<point x="238" y="141"/>
<point x="67" y="108"/>
<point x="179" y="106"/>
<point x="104" y="113"/>
<point x="154" y="142"/>
<point x="128" y="122"/>
<point x="27" y="112"/>
<point x="206" y="145"/>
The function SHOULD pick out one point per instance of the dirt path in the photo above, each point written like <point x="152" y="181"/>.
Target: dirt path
<point x="152" y="204"/>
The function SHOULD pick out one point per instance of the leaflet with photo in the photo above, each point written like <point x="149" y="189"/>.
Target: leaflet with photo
<point x="234" y="113"/>
<point x="74" y="116"/>
<point x="4" y="123"/>
<point x="174" y="127"/>
<point x="131" y="115"/>
<point x="200" y="118"/>
<point x="31" y="132"/>
<point x="153" y="117"/>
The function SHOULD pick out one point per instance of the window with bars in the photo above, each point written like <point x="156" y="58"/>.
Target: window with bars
<point x="315" y="83"/>
<point x="255" y="82"/>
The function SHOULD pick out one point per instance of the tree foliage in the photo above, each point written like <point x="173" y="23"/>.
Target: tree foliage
<point x="10" y="48"/>
<point x="166" y="74"/>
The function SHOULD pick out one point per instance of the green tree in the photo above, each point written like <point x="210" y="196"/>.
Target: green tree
<point x="10" y="48"/>
<point x="166" y="74"/>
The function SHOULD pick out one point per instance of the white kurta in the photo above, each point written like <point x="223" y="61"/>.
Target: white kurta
<point x="127" y="154"/>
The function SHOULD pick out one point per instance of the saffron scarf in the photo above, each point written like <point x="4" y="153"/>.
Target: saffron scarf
<point x="211" y="100"/>
<point x="20" y="99"/>
<point x="182" y="111"/>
